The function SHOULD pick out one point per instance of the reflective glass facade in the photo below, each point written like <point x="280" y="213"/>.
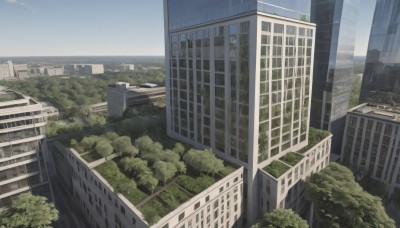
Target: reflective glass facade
<point x="185" y="13"/>
<point x="333" y="66"/>
<point x="381" y="81"/>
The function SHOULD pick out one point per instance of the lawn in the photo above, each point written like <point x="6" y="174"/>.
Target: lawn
<point x="291" y="158"/>
<point x="276" y="168"/>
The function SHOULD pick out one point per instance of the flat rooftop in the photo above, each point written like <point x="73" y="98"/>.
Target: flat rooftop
<point x="378" y="111"/>
<point x="8" y="95"/>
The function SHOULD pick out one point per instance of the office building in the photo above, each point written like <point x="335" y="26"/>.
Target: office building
<point x="371" y="143"/>
<point x="381" y="80"/>
<point x="36" y="71"/>
<point x="238" y="81"/>
<point x="333" y="65"/>
<point x="94" y="69"/>
<point x="218" y="204"/>
<point x="53" y="71"/>
<point x="125" y="67"/>
<point x="6" y="71"/>
<point x="121" y="96"/>
<point x="22" y="163"/>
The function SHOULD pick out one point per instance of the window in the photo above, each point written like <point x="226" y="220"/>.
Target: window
<point x="197" y="205"/>
<point x="207" y="198"/>
<point x="181" y="216"/>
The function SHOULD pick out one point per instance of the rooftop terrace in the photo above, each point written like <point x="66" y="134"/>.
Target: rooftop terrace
<point x="379" y="111"/>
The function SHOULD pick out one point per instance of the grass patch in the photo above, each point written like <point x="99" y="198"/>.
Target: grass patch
<point x="136" y="196"/>
<point x="276" y="168"/>
<point x="195" y="185"/>
<point x="174" y="197"/>
<point x="314" y="137"/>
<point x="227" y="170"/>
<point x="154" y="210"/>
<point x="91" y="156"/>
<point x="291" y="158"/>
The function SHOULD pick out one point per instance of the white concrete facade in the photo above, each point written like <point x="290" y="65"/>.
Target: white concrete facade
<point x="242" y="87"/>
<point x="371" y="143"/>
<point x="220" y="205"/>
<point x="22" y="164"/>
<point x="94" y="69"/>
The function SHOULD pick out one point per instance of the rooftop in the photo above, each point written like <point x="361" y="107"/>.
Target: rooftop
<point x="8" y="95"/>
<point x="378" y="111"/>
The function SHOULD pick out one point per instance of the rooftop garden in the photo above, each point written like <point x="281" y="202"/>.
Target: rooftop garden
<point x="154" y="179"/>
<point x="276" y="168"/>
<point x="314" y="137"/>
<point x="291" y="158"/>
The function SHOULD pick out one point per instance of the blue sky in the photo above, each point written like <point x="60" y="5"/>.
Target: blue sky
<point x="100" y="27"/>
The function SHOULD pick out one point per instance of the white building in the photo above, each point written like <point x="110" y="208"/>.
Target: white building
<point x="220" y="205"/>
<point x="94" y="69"/>
<point x="22" y="163"/>
<point x="125" y="67"/>
<point x="54" y="71"/>
<point x="6" y="71"/>
<point x="371" y="143"/>
<point x="238" y="81"/>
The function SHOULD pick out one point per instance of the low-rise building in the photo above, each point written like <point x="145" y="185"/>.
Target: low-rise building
<point x="23" y="165"/>
<point x="125" y="67"/>
<point x="49" y="110"/>
<point x="6" y="70"/>
<point x="121" y="96"/>
<point x="36" y="71"/>
<point x="94" y="69"/>
<point x="219" y="205"/>
<point x="99" y="107"/>
<point x="54" y="71"/>
<point x="371" y="143"/>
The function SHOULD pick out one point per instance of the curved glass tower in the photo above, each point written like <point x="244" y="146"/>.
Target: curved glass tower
<point x="381" y="80"/>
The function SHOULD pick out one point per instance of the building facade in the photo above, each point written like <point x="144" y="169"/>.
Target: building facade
<point x="125" y="67"/>
<point x="371" y="143"/>
<point x="333" y="66"/>
<point x="122" y="96"/>
<point x="220" y="205"/>
<point x="7" y="71"/>
<point x="239" y="77"/>
<point x="22" y="163"/>
<point x="381" y="80"/>
<point x="53" y="71"/>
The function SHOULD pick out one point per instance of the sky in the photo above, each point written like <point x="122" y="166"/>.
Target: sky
<point x="101" y="27"/>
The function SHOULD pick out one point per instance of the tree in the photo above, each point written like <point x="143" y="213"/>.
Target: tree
<point x="149" y="150"/>
<point x="110" y="135"/>
<point x="89" y="142"/>
<point x="179" y="149"/>
<point x="104" y="148"/>
<point x="147" y="180"/>
<point x="29" y="211"/>
<point x="164" y="171"/>
<point x="135" y="165"/>
<point x="340" y="202"/>
<point x="203" y="161"/>
<point x="283" y="218"/>
<point x="123" y="145"/>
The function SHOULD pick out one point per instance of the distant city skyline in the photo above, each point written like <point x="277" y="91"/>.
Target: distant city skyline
<point x="106" y="28"/>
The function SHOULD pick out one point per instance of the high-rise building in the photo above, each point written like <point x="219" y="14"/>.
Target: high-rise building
<point x="371" y="143"/>
<point x="239" y="76"/>
<point x="22" y="163"/>
<point x="381" y="80"/>
<point x="333" y="65"/>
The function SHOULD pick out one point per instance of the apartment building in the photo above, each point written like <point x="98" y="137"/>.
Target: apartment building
<point x="53" y="71"/>
<point x="371" y="143"/>
<point x="22" y="163"/>
<point x="220" y="205"/>
<point x="238" y="81"/>
<point x="122" y="96"/>
<point x="89" y="69"/>
<point x="125" y="67"/>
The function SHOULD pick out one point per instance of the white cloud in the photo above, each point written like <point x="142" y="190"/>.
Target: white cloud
<point x="23" y="4"/>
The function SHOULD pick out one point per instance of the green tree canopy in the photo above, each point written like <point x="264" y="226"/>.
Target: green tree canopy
<point x="282" y="218"/>
<point x="340" y="202"/>
<point x="147" y="180"/>
<point x="123" y="145"/>
<point x="203" y="161"/>
<point x="29" y="211"/>
<point x="104" y="148"/>
<point x="179" y="149"/>
<point x="164" y="171"/>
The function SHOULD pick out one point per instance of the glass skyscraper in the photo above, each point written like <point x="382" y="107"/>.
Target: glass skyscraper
<point x="239" y="76"/>
<point x="333" y="65"/>
<point x="381" y="80"/>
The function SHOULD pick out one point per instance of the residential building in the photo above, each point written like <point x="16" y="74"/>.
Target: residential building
<point x="371" y="143"/>
<point x="333" y="66"/>
<point x="36" y="71"/>
<point x="381" y="80"/>
<point x="122" y="96"/>
<point x="93" y="69"/>
<point x="99" y="107"/>
<point x="53" y="71"/>
<point x="125" y="67"/>
<point x="220" y="204"/>
<point x="238" y="81"/>
<point x="23" y="165"/>
<point x="21" y="71"/>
